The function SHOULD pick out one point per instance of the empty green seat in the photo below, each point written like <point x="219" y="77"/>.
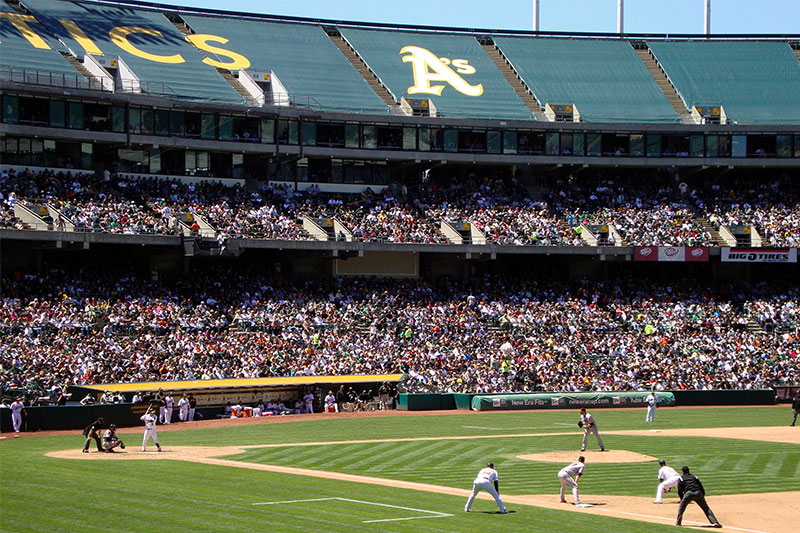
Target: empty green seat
<point x="453" y="71"/>
<point x="162" y="59"/>
<point x="604" y="79"/>
<point x="756" y="82"/>
<point x="305" y="60"/>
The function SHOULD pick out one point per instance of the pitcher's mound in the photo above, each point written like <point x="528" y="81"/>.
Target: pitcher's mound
<point x="592" y="456"/>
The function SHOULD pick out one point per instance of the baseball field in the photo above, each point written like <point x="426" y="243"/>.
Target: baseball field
<point x="400" y="471"/>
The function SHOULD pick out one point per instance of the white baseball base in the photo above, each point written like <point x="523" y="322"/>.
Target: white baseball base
<point x="584" y="505"/>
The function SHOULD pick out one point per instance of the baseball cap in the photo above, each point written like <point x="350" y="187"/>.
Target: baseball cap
<point x="581" y="459"/>
<point x="490" y="465"/>
<point x="662" y="462"/>
<point x="685" y="469"/>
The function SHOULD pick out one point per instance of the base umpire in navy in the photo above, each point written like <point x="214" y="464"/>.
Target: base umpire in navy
<point x="691" y="490"/>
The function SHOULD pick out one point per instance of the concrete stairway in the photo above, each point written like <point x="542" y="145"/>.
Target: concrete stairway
<point x="80" y="68"/>
<point x="514" y="80"/>
<point x="665" y="85"/>
<point x="709" y="227"/>
<point x="364" y="70"/>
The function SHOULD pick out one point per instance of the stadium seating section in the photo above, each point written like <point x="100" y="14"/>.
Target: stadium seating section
<point x="605" y="79"/>
<point x="755" y="82"/>
<point x="302" y="56"/>
<point x="392" y="55"/>
<point x="17" y="53"/>
<point x="179" y="70"/>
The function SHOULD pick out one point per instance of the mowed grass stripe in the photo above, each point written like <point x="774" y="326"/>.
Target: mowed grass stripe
<point x="520" y="477"/>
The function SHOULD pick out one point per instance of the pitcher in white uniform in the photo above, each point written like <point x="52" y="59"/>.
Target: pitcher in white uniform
<point x="569" y="476"/>
<point x="486" y="480"/>
<point x="668" y="478"/>
<point x="652" y="402"/>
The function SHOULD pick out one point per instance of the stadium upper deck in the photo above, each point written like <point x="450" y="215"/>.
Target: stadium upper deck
<point x="189" y="54"/>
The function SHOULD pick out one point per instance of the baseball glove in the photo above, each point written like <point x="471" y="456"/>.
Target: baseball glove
<point x="580" y="424"/>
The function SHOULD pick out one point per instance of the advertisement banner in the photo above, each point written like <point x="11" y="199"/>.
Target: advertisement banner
<point x="696" y="253"/>
<point x="675" y="254"/>
<point x="645" y="253"/>
<point x="565" y="400"/>
<point x="671" y="253"/>
<point x="759" y="255"/>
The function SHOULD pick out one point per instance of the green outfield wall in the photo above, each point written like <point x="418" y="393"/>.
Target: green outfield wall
<point x="545" y="400"/>
<point x="565" y="400"/>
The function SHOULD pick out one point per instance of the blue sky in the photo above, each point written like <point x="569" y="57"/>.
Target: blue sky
<point x="641" y="16"/>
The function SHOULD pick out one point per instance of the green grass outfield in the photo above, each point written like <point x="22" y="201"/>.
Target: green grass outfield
<point x="39" y="493"/>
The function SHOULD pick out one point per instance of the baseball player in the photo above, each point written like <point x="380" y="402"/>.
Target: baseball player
<point x="183" y="408"/>
<point x="169" y="405"/>
<point x="149" y="429"/>
<point x="192" y="407"/>
<point x="691" y="490"/>
<point x="667" y="478"/>
<point x="569" y="476"/>
<point x="486" y="480"/>
<point x="652" y="403"/>
<point x="308" y="402"/>
<point x="589" y="425"/>
<point x="17" y="410"/>
<point x="796" y="407"/>
<point x="110" y="439"/>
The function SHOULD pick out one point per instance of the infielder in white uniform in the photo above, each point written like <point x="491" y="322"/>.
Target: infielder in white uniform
<point x="589" y="426"/>
<point x="17" y="408"/>
<point x="652" y="402"/>
<point x="668" y="478"/>
<point x="149" y="429"/>
<point x="569" y="476"/>
<point x="486" y="480"/>
<point x="183" y="409"/>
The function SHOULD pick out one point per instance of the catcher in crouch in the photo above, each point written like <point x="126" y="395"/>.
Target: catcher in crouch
<point x="110" y="439"/>
<point x="589" y="425"/>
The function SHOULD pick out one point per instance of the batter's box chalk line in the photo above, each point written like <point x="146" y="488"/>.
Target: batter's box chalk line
<point x="428" y="514"/>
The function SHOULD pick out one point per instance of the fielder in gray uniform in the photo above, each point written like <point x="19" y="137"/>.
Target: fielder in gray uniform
<point x="486" y="480"/>
<point x="589" y="426"/>
<point x="569" y="476"/>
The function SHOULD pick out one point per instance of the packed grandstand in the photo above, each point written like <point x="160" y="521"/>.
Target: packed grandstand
<point x="192" y="194"/>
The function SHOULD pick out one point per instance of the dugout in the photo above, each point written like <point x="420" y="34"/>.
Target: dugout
<point x="211" y="396"/>
<point x="218" y="392"/>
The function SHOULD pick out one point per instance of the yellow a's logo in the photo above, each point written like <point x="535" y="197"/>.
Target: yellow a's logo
<point x="429" y="68"/>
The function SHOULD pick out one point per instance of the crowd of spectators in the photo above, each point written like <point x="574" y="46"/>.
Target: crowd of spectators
<point x="644" y="212"/>
<point x="493" y="334"/>
<point x="658" y="210"/>
<point x="770" y="206"/>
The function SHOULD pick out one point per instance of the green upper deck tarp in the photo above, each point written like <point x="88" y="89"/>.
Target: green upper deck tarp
<point x="303" y="57"/>
<point x="18" y="53"/>
<point x="178" y="71"/>
<point x="756" y="82"/>
<point x="453" y="71"/>
<point x="605" y="79"/>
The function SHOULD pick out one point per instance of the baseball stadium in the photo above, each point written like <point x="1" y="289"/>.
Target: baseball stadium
<point x="361" y="276"/>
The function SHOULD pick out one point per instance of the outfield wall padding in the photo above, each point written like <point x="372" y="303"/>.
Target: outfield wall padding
<point x="565" y="400"/>
<point x="725" y="397"/>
